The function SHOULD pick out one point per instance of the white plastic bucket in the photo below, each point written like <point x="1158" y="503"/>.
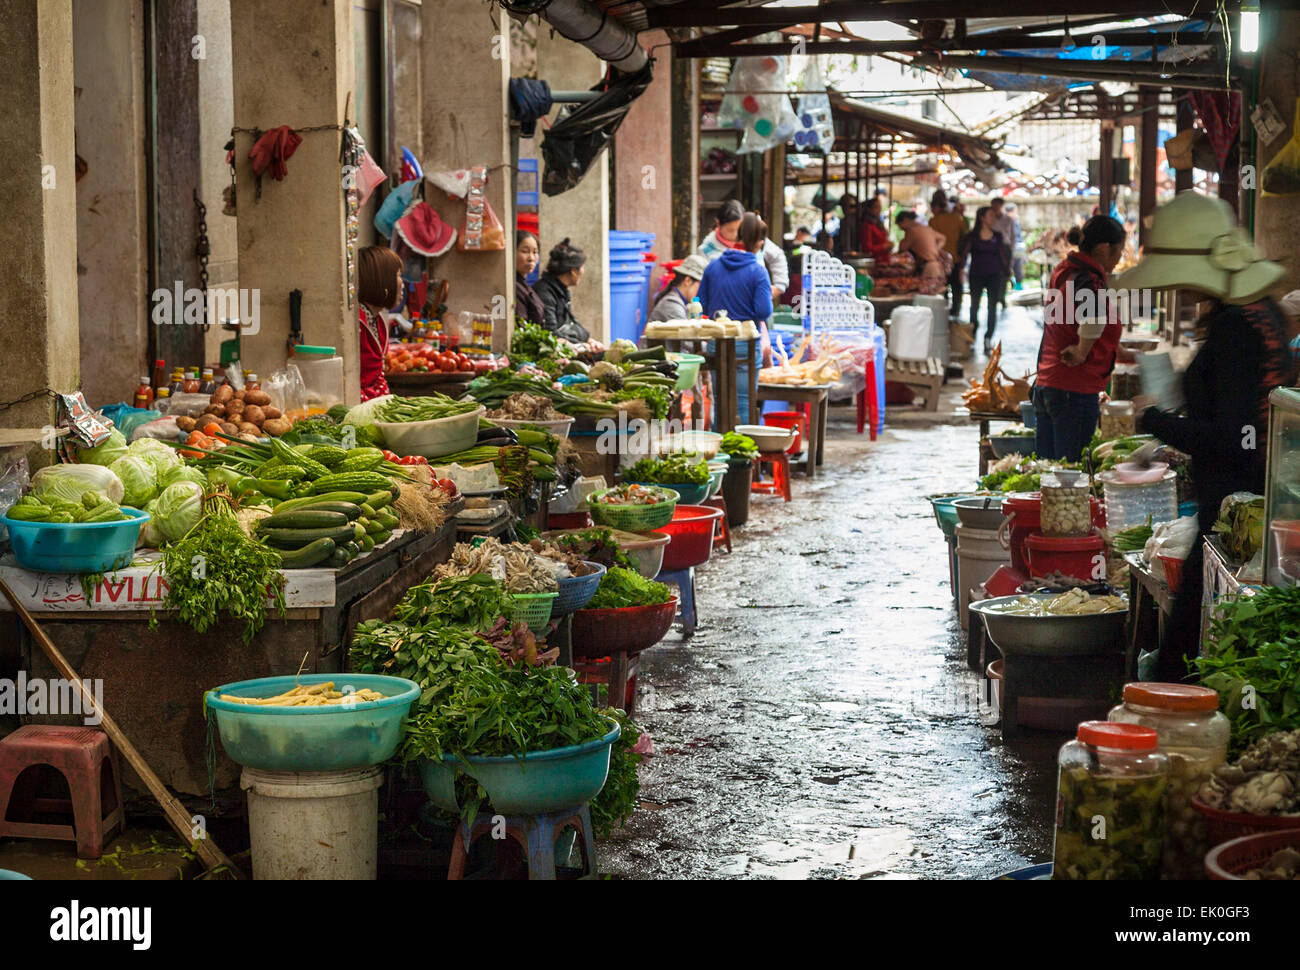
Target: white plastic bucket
<point x="979" y="554"/>
<point x="909" y="332"/>
<point x="313" y="824"/>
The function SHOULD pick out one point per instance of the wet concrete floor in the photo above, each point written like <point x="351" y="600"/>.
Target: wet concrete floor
<point x="822" y="722"/>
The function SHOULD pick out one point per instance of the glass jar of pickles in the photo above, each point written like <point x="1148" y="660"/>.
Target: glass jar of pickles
<point x="1066" y="508"/>
<point x="1110" y="803"/>
<point x="1194" y="737"/>
<point x="1118" y="420"/>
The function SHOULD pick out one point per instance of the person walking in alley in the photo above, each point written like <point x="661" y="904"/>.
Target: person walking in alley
<point x="952" y="226"/>
<point x="989" y="265"/>
<point x="726" y="235"/>
<point x="737" y="281"/>
<point x="1081" y="331"/>
<point x="1005" y="227"/>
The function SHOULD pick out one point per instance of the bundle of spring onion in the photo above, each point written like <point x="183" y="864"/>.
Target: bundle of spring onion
<point x="1133" y="539"/>
<point x="405" y="409"/>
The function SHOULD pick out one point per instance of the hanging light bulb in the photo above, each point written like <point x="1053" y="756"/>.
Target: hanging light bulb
<point x="1067" y="42"/>
<point x="1249" y="27"/>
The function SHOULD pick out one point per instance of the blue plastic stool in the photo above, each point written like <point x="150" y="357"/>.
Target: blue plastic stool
<point x="536" y="835"/>
<point x="684" y="580"/>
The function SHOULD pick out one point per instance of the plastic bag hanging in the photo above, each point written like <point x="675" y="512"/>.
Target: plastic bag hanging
<point x="1281" y="176"/>
<point x="580" y="134"/>
<point x="816" y="127"/>
<point x="766" y="118"/>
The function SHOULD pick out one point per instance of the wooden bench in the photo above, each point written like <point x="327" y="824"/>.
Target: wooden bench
<point x="924" y="375"/>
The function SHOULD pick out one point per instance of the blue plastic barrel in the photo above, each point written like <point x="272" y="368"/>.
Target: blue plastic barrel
<point x="626" y="308"/>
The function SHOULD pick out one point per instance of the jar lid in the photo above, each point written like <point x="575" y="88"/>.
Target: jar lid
<point x="1172" y="697"/>
<point x="1111" y="734"/>
<point x="309" y="349"/>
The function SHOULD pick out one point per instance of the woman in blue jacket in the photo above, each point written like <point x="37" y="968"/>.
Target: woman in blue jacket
<point x="737" y="281"/>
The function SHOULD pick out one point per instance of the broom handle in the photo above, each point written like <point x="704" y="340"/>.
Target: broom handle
<point x="176" y="813"/>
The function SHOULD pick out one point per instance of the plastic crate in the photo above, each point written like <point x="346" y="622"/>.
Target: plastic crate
<point x="533" y="609"/>
<point x="633" y="518"/>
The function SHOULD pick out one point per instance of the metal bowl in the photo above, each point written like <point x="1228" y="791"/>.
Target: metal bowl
<point x="1050" y="636"/>
<point x="979" y="511"/>
<point x="1011" y="444"/>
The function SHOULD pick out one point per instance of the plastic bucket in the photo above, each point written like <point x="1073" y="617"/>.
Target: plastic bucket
<point x="735" y="489"/>
<point x="1076" y="556"/>
<point x="979" y="554"/>
<point x="688" y="369"/>
<point x="313" y="825"/>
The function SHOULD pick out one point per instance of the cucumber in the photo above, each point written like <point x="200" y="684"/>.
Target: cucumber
<point x="372" y="527"/>
<point x="338" y="559"/>
<point x="297" y="538"/>
<point x="367" y="510"/>
<point x="360" y="529"/>
<point x="388" y="520"/>
<point x="312" y="554"/>
<point x="367" y="544"/>
<point x="354" y="548"/>
<point x="380" y="499"/>
<point x="382" y="537"/>
<point x="303" y="519"/>
<point x="311" y="501"/>
<point x="348" y="510"/>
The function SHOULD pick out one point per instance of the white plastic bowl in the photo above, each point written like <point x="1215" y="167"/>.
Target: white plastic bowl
<point x="432" y="439"/>
<point x="768" y="437"/>
<point x="646" y="552"/>
<point x="559" y="427"/>
<point x="706" y="444"/>
<point x="1131" y="473"/>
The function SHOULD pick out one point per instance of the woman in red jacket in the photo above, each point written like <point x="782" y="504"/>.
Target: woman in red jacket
<point x="1081" y="331"/>
<point x="379" y="288"/>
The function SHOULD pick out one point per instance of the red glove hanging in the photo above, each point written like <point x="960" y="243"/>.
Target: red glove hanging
<point x="272" y="150"/>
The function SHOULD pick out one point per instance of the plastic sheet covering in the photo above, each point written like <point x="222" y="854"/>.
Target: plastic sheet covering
<point x="582" y="132"/>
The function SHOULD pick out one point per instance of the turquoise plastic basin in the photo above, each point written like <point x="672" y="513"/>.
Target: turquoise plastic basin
<point x="76" y="547"/>
<point x="945" y="513"/>
<point x="542" y="781"/>
<point x="689" y="494"/>
<point x="322" y="738"/>
<point x="9" y="875"/>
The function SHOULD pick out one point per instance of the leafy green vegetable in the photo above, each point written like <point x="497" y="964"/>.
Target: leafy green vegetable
<point x="738" y="445"/>
<point x="618" y="799"/>
<point x="657" y="399"/>
<point x="626" y="587"/>
<point x="1252" y="658"/>
<point x="531" y="342"/>
<point x="176" y="511"/>
<point x="215" y="570"/>
<point x="162" y="457"/>
<point x="594" y="545"/>
<point x="1132" y="539"/>
<point x="139" y="480"/>
<point x="684" y="468"/>
<point x="430" y="654"/>
<point x="473" y="602"/>
<point x="69" y="483"/>
<point x="1242" y="526"/>
<point x="106" y="452"/>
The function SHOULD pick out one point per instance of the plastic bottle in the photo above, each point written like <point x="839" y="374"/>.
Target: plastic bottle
<point x="207" y="384"/>
<point x="251" y="383"/>
<point x="143" y="394"/>
<point x="177" y="381"/>
<point x="695" y="310"/>
<point x="159" y="374"/>
<point x="163" y="401"/>
<point x="191" y="383"/>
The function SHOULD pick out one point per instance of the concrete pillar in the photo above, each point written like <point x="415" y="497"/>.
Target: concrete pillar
<point x="582" y="213"/>
<point x="293" y="66"/>
<point x="643" y="158"/>
<point x="38" y="234"/>
<point x="112" y="199"/>
<point x="466" y="72"/>
<point x="1277" y="218"/>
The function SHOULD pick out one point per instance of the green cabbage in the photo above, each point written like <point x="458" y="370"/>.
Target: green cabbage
<point x="70" y="482"/>
<point x="139" y="480"/>
<point x="106" y="452"/>
<point x="177" y="510"/>
<point x="181" y="473"/>
<point x="159" y="455"/>
<point x="364" y="415"/>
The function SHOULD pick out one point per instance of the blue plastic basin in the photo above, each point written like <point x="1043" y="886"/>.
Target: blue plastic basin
<point x="690" y="494"/>
<point x="321" y="738"/>
<point x="576" y="591"/>
<point x="76" y="547"/>
<point x="541" y="781"/>
<point x="9" y="875"/>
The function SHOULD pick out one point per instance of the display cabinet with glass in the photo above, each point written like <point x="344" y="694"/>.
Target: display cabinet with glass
<point x="1282" y="495"/>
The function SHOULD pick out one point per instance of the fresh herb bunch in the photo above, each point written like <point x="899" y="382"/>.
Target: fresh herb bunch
<point x="1252" y="658"/>
<point x="618" y="799"/>
<point x="594" y="545"/>
<point x="678" y="469"/>
<point x="216" y="569"/>
<point x="432" y="655"/>
<point x="658" y="400"/>
<point x="739" y="445"/>
<point x="626" y="587"/>
<point x="531" y="342"/>
<point x="474" y="602"/>
<point x="1132" y="539"/>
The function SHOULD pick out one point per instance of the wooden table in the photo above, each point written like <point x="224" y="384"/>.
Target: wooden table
<point x="984" y="418"/>
<point x="817" y="397"/>
<point x="1150" y="605"/>
<point x="721" y="362"/>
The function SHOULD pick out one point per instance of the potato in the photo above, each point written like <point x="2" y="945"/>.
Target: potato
<point x="229" y="427"/>
<point x="186" y="423"/>
<point x="219" y="410"/>
<point x="239" y="395"/>
<point x="223" y="394"/>
<point x="253" y="415"/>
<point x="271" y="412"/>
<point x="276" y="426"/>
<point x="247" y="428"/>
<point x="235" y="407"/>
<point x="260" y="398"/>
<point x="245" y="436"/>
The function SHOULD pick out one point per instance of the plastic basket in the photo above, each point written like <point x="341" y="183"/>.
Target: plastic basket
<point x="633" y="518"/>
<point x="533" y="609"/>
<point x="688" y="369"/>
<point x="1221" y="826"/>
<point x="75" y="547"/>
<point x="629" y="629"/>
<point x="576" y="591"/>
<point x="559" y="427"/>
<point x="1234" y="858"/>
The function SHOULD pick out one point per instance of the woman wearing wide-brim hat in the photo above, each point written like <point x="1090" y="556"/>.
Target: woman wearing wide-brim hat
<point x="1195" y="244"/>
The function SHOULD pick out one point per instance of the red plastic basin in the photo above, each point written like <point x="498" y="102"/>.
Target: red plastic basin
<point x="1082" y="557"/>
<point x="692" y="528"/>
<point x="631" y="629"/>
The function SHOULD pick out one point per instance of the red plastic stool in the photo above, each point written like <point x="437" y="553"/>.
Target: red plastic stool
<point x="80" y="755"/>
<point x="780" y="483"/>
<point x="868" y="406"/>
<point x="724" y="534"/>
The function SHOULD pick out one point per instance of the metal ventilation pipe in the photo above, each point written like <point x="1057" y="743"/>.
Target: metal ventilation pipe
<point x="600" y="33"/>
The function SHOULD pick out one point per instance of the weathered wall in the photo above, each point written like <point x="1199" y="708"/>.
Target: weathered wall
<point x="643" y="158"/>
<point x="1277" y="219"/>
<point x="112" y="208"/>
<point x="38" y="235"/>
